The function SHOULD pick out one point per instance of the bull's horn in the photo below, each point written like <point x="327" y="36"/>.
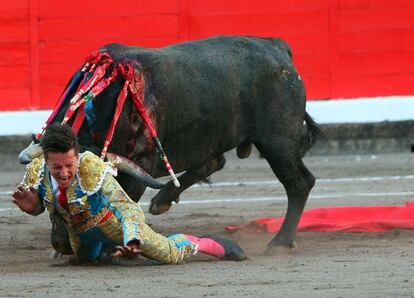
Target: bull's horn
<point x="129" y="167"/>
<point x="31" y="152"/>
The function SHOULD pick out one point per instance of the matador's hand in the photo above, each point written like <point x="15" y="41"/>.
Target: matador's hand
<point x="26" y="199"/>
<point x="127" y="251"/>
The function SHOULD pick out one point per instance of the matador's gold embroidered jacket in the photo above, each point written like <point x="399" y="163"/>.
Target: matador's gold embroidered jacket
<point x="91" y="196"/>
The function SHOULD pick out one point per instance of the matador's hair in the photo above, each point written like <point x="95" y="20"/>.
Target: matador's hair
<point x="59" y="139"/>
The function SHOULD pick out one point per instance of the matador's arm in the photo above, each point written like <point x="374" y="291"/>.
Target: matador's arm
<point x="127" y="211"/>
<point x="27" y="195"/>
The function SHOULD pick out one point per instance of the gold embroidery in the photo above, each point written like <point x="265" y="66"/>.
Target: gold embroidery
<point x="75" y="242"/>
<point x="89" y="183"/>
<point x="33" y="172"/>
<point x="85" y="221"/>
<point x="79" y="205"/>
<point x="112" y="228"/>
<point x="83" y="170"/>
<point x="70" y="192"/>
<point x="91" y="172"/>
<point x="48" y="200"/>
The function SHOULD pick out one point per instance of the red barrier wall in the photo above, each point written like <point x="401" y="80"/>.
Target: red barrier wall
<point x="342" y="48"/>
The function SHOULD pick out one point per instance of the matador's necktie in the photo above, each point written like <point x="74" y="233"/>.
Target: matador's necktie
<point x="62" y="199"/>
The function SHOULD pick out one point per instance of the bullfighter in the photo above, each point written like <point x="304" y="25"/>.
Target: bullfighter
<point x="97" y="212"/>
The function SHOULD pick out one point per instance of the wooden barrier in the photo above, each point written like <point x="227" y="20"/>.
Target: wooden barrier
<point x="342" y="48"/>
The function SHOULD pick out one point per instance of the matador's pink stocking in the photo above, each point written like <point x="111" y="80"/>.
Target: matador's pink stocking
<point x="218" y="247"/>
<point x="208" y="246"/>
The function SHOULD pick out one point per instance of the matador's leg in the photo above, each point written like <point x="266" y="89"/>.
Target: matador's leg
<point x="177" y="248"/>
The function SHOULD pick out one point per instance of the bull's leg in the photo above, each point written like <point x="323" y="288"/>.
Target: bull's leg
<point x="287" y="165"/>
<point x="169" y="193"/>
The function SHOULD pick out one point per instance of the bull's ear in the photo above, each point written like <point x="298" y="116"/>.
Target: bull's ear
<point x="34" y="139"/>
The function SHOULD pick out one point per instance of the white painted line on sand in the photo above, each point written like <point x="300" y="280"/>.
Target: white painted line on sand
<point x="284" y="198"/>
<point x="274" y="199"/>
<point x="270" y="182"/>
<point x="322" y="180"/>
<point x="9" y="209"/>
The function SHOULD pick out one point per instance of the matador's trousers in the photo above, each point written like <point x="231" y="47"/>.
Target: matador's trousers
<point x="90" y="244"/>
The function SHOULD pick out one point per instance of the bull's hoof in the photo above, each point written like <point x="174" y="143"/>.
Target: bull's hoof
<point x="279" y="251"/>
<point x="156" y="209"/>
<point x="282" y="241"/>
<point x="278" y="246"/>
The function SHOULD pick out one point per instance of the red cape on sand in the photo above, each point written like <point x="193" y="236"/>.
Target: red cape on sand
<point x="347" y="219"/>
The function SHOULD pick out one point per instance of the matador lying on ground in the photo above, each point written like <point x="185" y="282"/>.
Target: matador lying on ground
<point x="97" y="212"/>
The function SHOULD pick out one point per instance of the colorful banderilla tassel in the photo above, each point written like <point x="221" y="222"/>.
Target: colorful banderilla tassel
<point x="95" y="84"/>
<point x="97" y="75"/>
<point x="119" y="104"/>
<point x="69" y="89"/>
<point x="70" y="110"/>
<point x="95" y="91"/>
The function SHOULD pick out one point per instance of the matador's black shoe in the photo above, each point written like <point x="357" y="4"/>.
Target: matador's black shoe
<point x="232" y="251"/>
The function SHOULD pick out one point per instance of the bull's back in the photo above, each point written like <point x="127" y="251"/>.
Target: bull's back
<point x="209" y="90"/>
<point x="212" y="75"/>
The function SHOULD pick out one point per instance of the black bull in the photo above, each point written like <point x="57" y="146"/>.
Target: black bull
<point x="207" y="97"/>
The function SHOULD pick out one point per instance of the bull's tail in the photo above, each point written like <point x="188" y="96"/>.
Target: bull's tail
<point x="312" y="132"/>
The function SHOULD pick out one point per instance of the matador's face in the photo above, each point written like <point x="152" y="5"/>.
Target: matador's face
<point x="63" y="166"/>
